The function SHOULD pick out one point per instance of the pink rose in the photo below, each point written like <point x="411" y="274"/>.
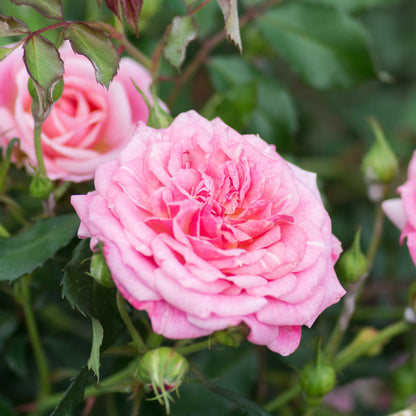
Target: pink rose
<point x="205" y="228"/>
<point x="87" y="125"/>
<point x="402" y="211"/>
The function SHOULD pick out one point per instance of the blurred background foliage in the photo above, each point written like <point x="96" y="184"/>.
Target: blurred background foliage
<point x="310" y="75"/>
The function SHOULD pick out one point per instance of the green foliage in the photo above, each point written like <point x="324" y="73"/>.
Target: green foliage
<point x="22" y="253"/>
<point x="97" y="47"/>
<point x="182" y="30"/>
<point x="49" y="8"/>
<point x="334" y="53"/>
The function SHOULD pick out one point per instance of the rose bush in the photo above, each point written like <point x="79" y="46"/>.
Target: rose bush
<point x="402" y="211"/>
<point x="87" y="125"/>
<point x="205" y="228"/>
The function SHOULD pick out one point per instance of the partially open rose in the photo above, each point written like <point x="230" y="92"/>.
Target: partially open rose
<point x="87" y="125"/>
<point x="402" y="211"/>
<point x="205" y="228"/>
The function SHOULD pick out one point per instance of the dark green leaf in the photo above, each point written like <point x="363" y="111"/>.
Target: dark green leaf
<point x="97" y="340"/>
<point x="49" y="8"/>
<point x="8" y="324"/>
<point x="90" y="297"/>
<point x="6" y="408"/>
<point x="22" y="253"/>
<point x="97" y="47"/>
<point x="10" y="26"/>
<point x="275" y="116"/>
<point x="73" y="396"/>
<point x="181" y="31"/>
<point x="247" y="406"/>
<point x="333" y="53"/>
<point x="355" y="5"/>
<point x="228" y="71"/>
<point x="15" y="355"/>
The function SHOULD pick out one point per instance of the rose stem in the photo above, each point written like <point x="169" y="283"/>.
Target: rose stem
<point x="354" y="291"/>
<point x="344" y="358"/>
<point x="121" y="304"/>
<point x="21" y="292"/>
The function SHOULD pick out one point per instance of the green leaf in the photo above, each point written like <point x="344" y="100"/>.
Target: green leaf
<point x="90" y="297"/>
<point x="333" y="53"/>
<point x="232" y="28"/>
<point x="5" y="52"/>
<point x="229" y="71"/>
<point x="73" y="396"/>
<point x="43" y="62"/>
<point x="22" y="253"/>
<point x="15" y="356"/>
<point x="10" y="26"/>
<point x="96" y="45"/>
<point x="181" y="31"/>
<point x="49" y="8"/>
<point x="45" y="68"/>
<point x="275" y="115"/>
<point x="355" y="5"/>
<point x="6" y="408"/>
<point x="8" y="324"/>
<point x="247" y="406"/>
<point x="97" y="340"/>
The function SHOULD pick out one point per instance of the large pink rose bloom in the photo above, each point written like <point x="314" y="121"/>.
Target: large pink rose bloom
<point x="87" y="125"/>
<point x="204" y="228"/>
<point x="402" y="211"/>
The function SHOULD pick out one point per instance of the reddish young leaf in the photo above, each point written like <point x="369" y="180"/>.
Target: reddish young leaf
<point x="130" y="8"/>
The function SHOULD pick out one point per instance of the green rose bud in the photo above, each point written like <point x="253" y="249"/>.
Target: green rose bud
<point x="99" y="270"/>
<point x="232" y="336"/>
<point x="380" y="165"/>
<point x="163" y="370"/>
<point x="352" y="264"/>
<point x="317" y="379"/>
<point x="40" y="187"/>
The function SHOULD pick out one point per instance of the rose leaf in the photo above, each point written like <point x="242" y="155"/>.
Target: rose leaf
<point x="96" y="45"/>
<point x="22" y="253"/>
<point x="10" y="26"/>
<point x="49" y="8"/>
<point x="232" y="28"/>
<point x="332" y="55"/>
<point x="181" y="31"/>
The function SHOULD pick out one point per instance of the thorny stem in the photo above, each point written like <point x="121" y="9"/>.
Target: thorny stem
<point x="354" y="291"/>
<point x="211" y="43"/>
<point x="137" y="339"/>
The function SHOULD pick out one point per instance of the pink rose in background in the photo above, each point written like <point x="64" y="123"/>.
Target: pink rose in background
<point x="402" y="211"/>
<point x="87" y="125"/>
<point x="205" y="228"/>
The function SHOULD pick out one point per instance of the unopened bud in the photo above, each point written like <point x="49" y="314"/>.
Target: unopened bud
<point x="41" y="186"/>
<point x="232" y="336"/>
<point x="352" y="264"/>
<point x="99" y="270"/>
<point x="317" y="378"/>
<point x="163" y="370"/>
<point x="380" y="164"/>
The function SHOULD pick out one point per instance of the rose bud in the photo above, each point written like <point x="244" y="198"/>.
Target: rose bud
<point x="352" y="264"/>
<point x="163" y="370"/>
